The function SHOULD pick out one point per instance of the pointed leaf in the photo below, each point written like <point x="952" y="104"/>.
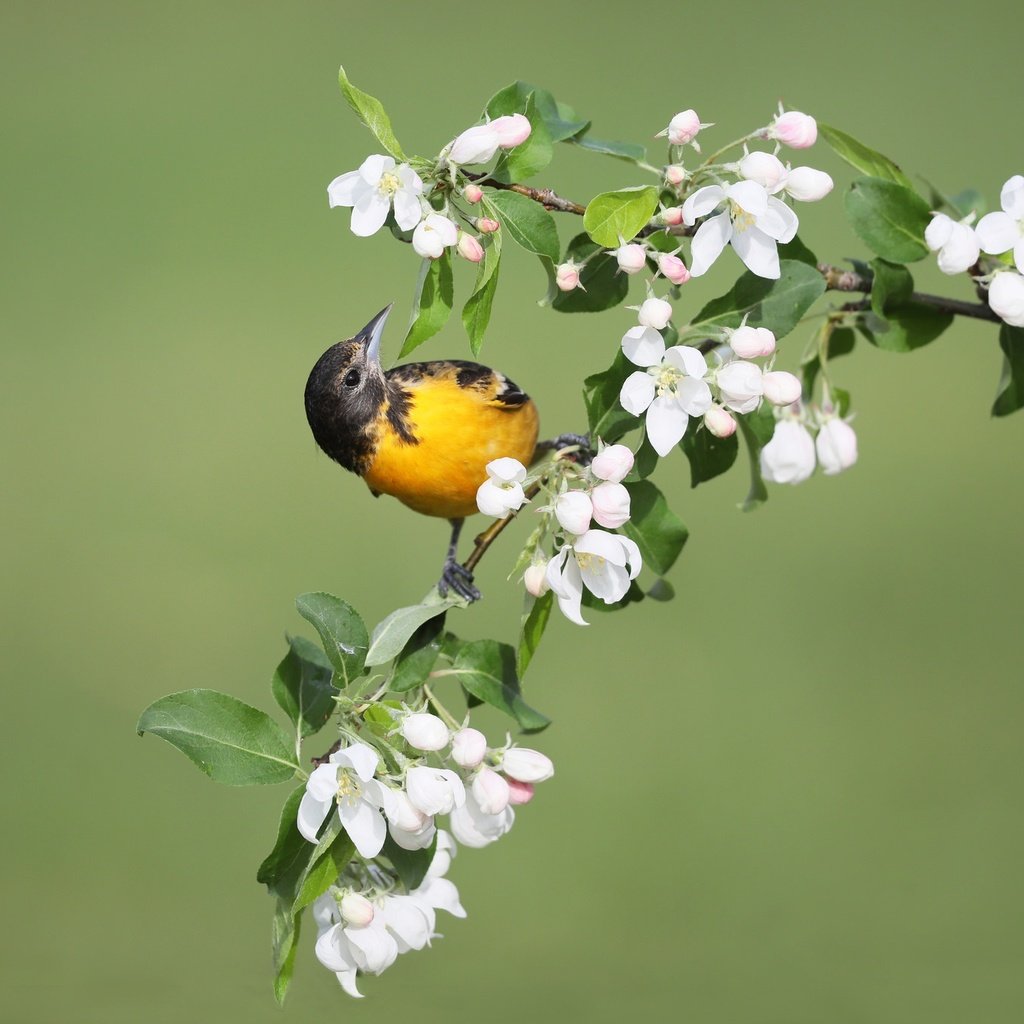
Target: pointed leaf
<point x="630" y="151"/>
<point x="606" y="418"/>
<point x="1010" y="395"/>
<point x="622" y="214"/>
<point x="371" y="112"/>
<point x="341" y="631"/>
<point x="535" y="621"/>
<point x="657" y="531"/>
<point x="890" y="218"/>
<point x="476" y="314"/>
<point x="432" y="304"/>
<point x="709" y="456"/>
<point x="486" y="669"/>
<point x="861" y="157"/>
<point x="528" y="224"/>
<point x="418" y="657"/>
<point x="530" y="156"/>
<point x="757" y="429"/>
<point x="391" y="633"/>
<point x="302" y="686"/>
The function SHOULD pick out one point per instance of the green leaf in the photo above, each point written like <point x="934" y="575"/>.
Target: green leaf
<point x="560" y="120"/>
<point x="332" y="852"/>
<point x="709" y="456"/>
<point x="658" y="532"/>
<point x="644" y="462"/>
<point x="527" y="223"/>
<point x="623" y="150"/>
<point x="1010" y="394"/>
<point x="530" y="156"/>
<point x="284" y="936"/>
<point x="418" y="657"/>
<point x="796" y="250"/>
<point x="777" y="305"/>
<point x="534" y="622"/>
<point x="432" y="304"/>
<point x="302" y="686"/>
<point x="232" y="742"/>
<point x="601" y="284"/>
<point x="391" y="634"/>
<point x="411" y="865"/>
<point x="905" y="328"/>
<point x="487" y="670"/>
<point x="861" y="157"/>
<point x="757" y="429"/>
<point x="891" y="285"/>
<point x="606" y="418"/>
<point x="622" y="214"/>
<point x="889" y="218"/>
<point x="341" y="631"/>
<point x="476" y="314"/>
<point x="371" y="112"/>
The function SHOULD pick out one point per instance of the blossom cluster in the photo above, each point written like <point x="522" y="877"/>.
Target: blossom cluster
<point x="793" y="452"/>
<point x="366" y="920"/>
<point x="1001" y="233"/>
<point x="380" y="188"/>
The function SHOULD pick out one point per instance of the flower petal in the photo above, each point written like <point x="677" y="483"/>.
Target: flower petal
<point x="666" y="424"/>
<point x="779" y="221"/>
<point x="442" y="894"/>
<point x="694" y="396"/>
<point x="372" y="946"/>
<point x="1011" y="198"/>
<point x="637" y="392"/>
<point x="408" y="211"/>
<point x="365" y="826"/>
<point x="374" y="167"/>
<point x="361" y="757"/>
<point x="347" y="980"/>
<point x="605" y="581"/>
<point x="369" y="213"/>
<point x="940" y="227"/>
<point x="750" y="196"/>
<point x="708" y="243"/>
<point x="311" y="815"/>
<point x="323" y="781"/>
<point x="758" y="252"/>
<point x="563" y="576"/>
<point x="346" y="189"/>
<point x="702" y="202"/>
<point x="688" y="359"/>
<point x="960" y="251"/>
<point x="634" y="560"/>
<point x="332" y="950"/>
<point x="506" y="470"/>
<point x="997" y="232"/>
<point x="643" y="346"/>
<point x="407" y="922"/>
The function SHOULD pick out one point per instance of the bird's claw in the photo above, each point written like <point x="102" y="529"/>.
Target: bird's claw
<point x="457" y="577"/>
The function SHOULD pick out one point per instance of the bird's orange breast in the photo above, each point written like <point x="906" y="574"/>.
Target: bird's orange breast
<point x="458" y="430"/>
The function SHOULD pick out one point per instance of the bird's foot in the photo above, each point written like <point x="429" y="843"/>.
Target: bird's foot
<point x="580" y="441"/>
<point x="457" y="577"/>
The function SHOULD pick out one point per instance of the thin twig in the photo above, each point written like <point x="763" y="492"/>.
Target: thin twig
<point x="490" y="535"/>
<point x="547" y="197"/>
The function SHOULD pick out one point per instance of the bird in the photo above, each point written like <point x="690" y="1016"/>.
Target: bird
<point x="422" y="432"/>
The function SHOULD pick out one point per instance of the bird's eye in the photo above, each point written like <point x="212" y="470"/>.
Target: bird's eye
<point x="351" y="379"/>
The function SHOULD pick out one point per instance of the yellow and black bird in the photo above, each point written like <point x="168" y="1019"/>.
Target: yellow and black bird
<point x="422" y="432"/>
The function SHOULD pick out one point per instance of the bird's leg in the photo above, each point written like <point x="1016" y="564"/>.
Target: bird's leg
<point x="455" y="575"/>
<point x="581" y="441"/>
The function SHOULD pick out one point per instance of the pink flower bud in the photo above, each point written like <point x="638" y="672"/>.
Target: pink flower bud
<point x="611" y="505"/>
<point x="719" y="422"/>
<point x="836" y="445"/>
<point x="469" y="747"/>
<point x="527" y="765"/>
<point x="655" y="313"/>
<point x="764" y="168"/>
<point x="795" y="129"/>
<point x="486" y="226"/>
<point x="674" y="174"/>
<point x="535" y="579"/>
<point x="425" y="732"/>
<point x="631" y="258"/>
<point x="356" y="910"/>
<point x="470" y="248"/>
<point x="672" y="216"/>
<point x="573" y="510"/>
<point x="612" y="463"/>
<point x="511" y="130"/>
<point x="519" y="792"/>
<point x="490" y="791"/>
<point x="473" y="193"/>
<point x="673" y="268"/>
<point x="476" y="145"/>
<point x="683" y="128"/>
<point x="781" y="388"/>
<point x="567" y="276"/>
<point x="752" y="342"/>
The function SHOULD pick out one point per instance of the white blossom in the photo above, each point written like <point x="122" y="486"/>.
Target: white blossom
<point x="604" y="563"/>
<point x="502" y="491"/>
<point x="476" y="145"/>
<point x="741" y="385"/>
<point x="469" y="746"/>
<point x="425" y="732"/>
<point x="683" y="128"/>
<point x="433" y="235"/>
<point x="788" y="458"/>
<point x="1004" y="230"/>
<point x="1006" y="297"/>
<point x="348" y="948"/>
<point x="573" y="510"/>
<point x="655" y="313"/>
<point x="807" y="184"/>
<point x="534" y="578"/>
<point x="956" y="241"/>
<point x="795" y="129"/>
<point x="613" y="463"/>
<point x="374" y="189"/>
<point x="720" y="422"/>
<point x="610" y="505"/>
<point x="434" y="790"/>
<point x="781" y="388"/>
<point x="472" y="827"/>
<point x="631" y="257"/>
<point x="836" y="445"/>
<point x="410" y="828"/>
<point x="527" y="765"/>
<point x="753" y="223"/>
<point x="670" y="390"/>
<point x="346" y="781"/>
<point x="751" y="342"/>
<point x="764" y="168"/>
<point x="489" y="790"/>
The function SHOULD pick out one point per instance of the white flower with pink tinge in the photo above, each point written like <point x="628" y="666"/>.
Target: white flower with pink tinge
<point x="753" y="222"/>
<point x="374" y="189"/>
<point x="604" y="563"/>
<point x="669" y="390"/>
<point x="502" y="491"/>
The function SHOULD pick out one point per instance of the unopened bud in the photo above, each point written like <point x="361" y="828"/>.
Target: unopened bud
<point x="511" y="130"/>
<point x="655" y="313"/>
<point x="573" y="510"/>
<point x="808" y="185"/>
<point x="795" y="129"/>
<point x="781" y="388"/>
<point x="425" y="732"/>
<point x="356" y="910"/>
<point x="764" y="168"/>
<point x="674" y="174"/>
<point x="632" y="258"/>
<point x="527" y="765"/>
<point x="673" y="268"/>
<point x="469" y="747"/>
<point x="720" y="422"/>
<point x="1006" y="297"/>
<point x="612" y="463"/>
<point x="752" y="342"/>
<point x="672" y="216"/>
<point x="836" y="445"/>
<point x="490" y="791"/>
<point x="611" y="505"/>
<point x="567" y="276"/>
<point x="683" y="128"/>
<point x="473" y="193"/>
<point x="486" y="226"/>
<point x="535" y="579"/>
<point x="519" y="792"/>
<point x="476" y="145"/>
<point x="470" y="248"/>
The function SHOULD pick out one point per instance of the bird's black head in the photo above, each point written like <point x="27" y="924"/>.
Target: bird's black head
<point x="344" y="395"/>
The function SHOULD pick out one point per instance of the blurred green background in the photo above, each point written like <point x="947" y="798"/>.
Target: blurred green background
<point x="792" y="795"/>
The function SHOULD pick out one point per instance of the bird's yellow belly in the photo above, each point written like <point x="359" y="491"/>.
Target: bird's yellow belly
<point x="458" y="435"/>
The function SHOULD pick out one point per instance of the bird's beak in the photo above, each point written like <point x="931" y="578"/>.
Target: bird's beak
<point x="372" y="333"/>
